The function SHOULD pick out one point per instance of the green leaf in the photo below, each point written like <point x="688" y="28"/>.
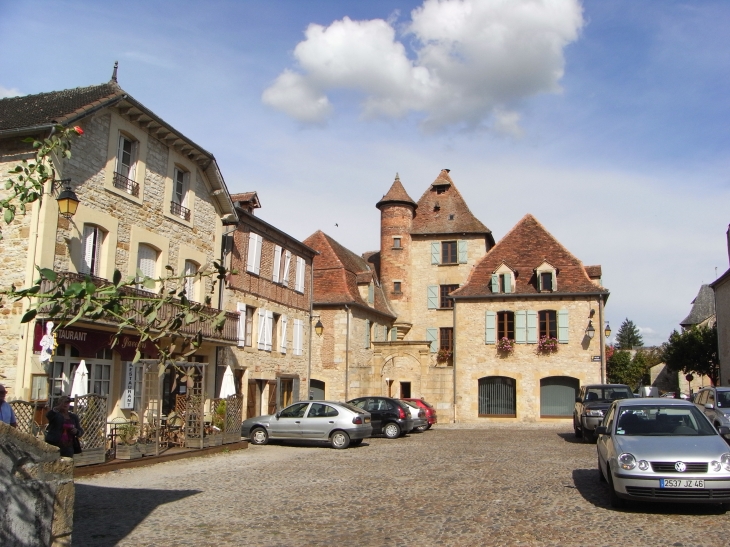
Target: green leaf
<point x="29" y="316"/>
<point x="8" y="215"/>
<point x="117" y="277"/>
<point x="149" y="283"/>
<point x="47" y="273"/>
<point x="137" y="356"/>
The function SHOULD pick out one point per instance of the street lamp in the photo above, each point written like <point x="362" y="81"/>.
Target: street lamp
<point x="590" y="331"/>
<point x="607" y="332"/>
<point x="319" y="328"/>
<point x="67" y="200"/>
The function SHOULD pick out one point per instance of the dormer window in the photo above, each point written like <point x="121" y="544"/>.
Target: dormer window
<point x="503" y="280"/>
<point x="546" y="278"/>
<point x="546" y="281"/>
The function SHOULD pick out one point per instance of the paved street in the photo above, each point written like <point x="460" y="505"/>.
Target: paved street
<point x="448" y="486"/>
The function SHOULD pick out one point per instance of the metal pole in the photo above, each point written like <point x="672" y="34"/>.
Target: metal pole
<point x="347" y="351"/>
<point x="602" y="338"/>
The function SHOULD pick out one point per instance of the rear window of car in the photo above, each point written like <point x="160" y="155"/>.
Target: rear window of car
<point x="354" y="408"/>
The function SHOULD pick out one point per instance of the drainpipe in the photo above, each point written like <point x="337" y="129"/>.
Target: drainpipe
<point x="602" y="339"/>
<point x="347" y="351"/>
<point x="453" y="364"/>
<point x="311" y="311"/>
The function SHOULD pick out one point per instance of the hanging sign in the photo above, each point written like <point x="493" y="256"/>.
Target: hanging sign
<point x="128" y="395"/>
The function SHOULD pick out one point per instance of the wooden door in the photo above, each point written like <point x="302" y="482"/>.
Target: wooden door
<point x="251" y="399"/>
<point x="272" y="397"/>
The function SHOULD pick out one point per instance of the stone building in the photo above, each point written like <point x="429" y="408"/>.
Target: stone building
<point x="270" y="287"/>
<point x="526" y="320"/>
<point x="149" y="198"/>
<point x="721" y="287"/>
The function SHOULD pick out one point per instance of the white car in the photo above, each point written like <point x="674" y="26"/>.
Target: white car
<point x="420" y="423"/>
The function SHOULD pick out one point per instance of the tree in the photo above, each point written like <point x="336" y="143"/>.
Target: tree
<point x="621" y="368"/>
<point x="628" y="336"/>
<point x="694" y="350"/>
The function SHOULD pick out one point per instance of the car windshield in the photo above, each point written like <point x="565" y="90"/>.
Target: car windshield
<point x="668" y="421"/>
<point x="353" y="408"/>
<point x="607" y="394"/>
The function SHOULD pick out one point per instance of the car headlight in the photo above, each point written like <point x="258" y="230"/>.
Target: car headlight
<point x="594" y="413"/>
<point x="627" y="461"/>
<point x="725" y="461"/>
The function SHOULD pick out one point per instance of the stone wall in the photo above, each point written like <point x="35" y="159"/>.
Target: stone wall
<point x="722" y="307"/>
<point x="37" y="492"/>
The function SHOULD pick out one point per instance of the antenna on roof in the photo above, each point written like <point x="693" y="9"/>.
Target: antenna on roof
<point x="114" y="74"/>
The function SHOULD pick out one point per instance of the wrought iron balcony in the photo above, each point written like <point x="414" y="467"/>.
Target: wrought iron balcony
<point x="137" y="300"/>
<point x="126" y="184"/>
<point x="179" y="211"/>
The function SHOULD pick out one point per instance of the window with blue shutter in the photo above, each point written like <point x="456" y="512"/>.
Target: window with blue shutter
<point x="495" y="283"/>
<point x="520" y="326"/>
<point x="555" y="282"/>
<point x="393" y="334"/>
<point x="431" y="336"/>
<point x="563" y="326"/>
<point x="531" y="327"/>
<point x="507" y="283"/>
<point x="463" y="255"/>
<point x="435" y="252"/>
<point x="433" y="296"/>
<point x="490" y="335"/>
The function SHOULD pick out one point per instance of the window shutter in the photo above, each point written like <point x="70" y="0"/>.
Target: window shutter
<point x="241" y="334"/>
<point x="463" y="255"/>
<point x="190" y="270"/>
<point x="393" y="334"/>
<point x="282" y="345"/>
<point x="277" y="264"/>
<point x="262" y="329"/>
<point x="287" y="267"/>
<point x="435" y="252"/>
<point x="295" y="390"/>
<point x="147" y="262"/>
<point x="298" y="331"/>
<point x="495" y="283"/>
<point x="431" y="336"/>
<point x="507" y="283"/>
<point x="300" y="275"/>
<point x="555" y="282"/>
<point x="371" y="293"/>
<point x="520" y="326"/>
<point x="133" y="161"/>
<point x="367" y="333"/>
<point x="251" y="260"/>
<point x="257" y="259"/>
<point x="88" y="247"/>
<point x="539" y="281"/>
<point x="531" y="327"/>
<point x="563" y="326"/>
<point x="490" y="324"/>
<point x="385" y="333"/>
<point x="269" y="332"/>
<point x="433" y="297"/>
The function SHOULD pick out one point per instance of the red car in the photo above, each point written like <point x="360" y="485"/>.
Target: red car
<point x="428" y="409"/>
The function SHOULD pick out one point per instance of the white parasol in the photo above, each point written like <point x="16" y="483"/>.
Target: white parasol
<point x="80" y="385"/>
<point x="228" y="386"/>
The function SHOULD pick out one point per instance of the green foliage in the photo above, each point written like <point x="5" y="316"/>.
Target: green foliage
<point x="694" y="350"/>
<point x="621" y="368"/>
<point x="628" y="336"/>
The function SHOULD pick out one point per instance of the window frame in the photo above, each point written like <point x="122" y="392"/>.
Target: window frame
<point x="92" y="265"/>
<point x="446" y="338"/>
<point x="505" y="325"/>
<point x="449" y="250"/>
<point x="546" y="321"/>
<point x="446" y="303"/>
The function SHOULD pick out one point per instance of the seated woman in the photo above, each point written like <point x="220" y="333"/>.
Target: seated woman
<point x="63" y="427"/>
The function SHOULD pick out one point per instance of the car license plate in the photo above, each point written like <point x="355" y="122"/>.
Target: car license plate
<point x="681" y="483"/>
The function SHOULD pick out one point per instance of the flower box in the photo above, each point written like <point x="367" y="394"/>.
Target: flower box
<point x="547" y="345"/>
<point x="505" y="346"/>
<point x="148" y="449"/>
<point x="128" y="452"/>
<point x="213" y="440"/>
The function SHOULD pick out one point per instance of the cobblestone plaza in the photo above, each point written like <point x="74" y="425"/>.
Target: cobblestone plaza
<point x="447" y="486"/>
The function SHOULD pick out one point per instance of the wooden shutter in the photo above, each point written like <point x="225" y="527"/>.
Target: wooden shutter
<point x="273" y="390"/>
<point x="490" y="327"/>
<point x="147" y="262"/>
<point x="262" y="329"/>
<point x="507" y="283"/>
<point x="432" y="296"/>
<point x="251" y="260"/>
<point x="531" y="327"/>
<point x="435" y="252"/>
<point x="367" y="333"/>
<point x="298" y="328"/>
<point x="190" y="270"/>
<point x="241" y="334"/>
<point x="393" y="334"/>
<point x="371" y="293"/>
<point x="463" y="255"/>
<point x="495" y="283"/>
<point x="563" y="326"/>
<point x="299" y="281"/>
<point x="277" y="264"/>
<point x="87" y="262"/>
<point x="287" y="267"/>
<point x="520" y="326"/>
<point x="269" y="331"/>
<point x="282" y="345"/>
<point x="432" y="336"/>
<point x="555" y="281"/>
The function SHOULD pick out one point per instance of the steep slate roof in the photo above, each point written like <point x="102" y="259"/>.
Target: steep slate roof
<point x="525" y="247"/>
<point x="445" y="212"/>
<point x="703" y="307"/>
<point x="337" y="271"/>
<point x="396" y="194"/>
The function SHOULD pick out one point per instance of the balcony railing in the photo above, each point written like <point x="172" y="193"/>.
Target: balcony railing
<point x="179" y="211"/>
<point x="137" y="301"/>
<point x="126" y="184"/>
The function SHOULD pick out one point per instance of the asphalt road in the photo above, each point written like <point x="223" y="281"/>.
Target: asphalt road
<point x="447" y="486"/>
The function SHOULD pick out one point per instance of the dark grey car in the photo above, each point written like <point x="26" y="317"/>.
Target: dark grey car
<point x="715" y="403"/>
<point x="340" y="424"/>
<point x="592" y="403"/>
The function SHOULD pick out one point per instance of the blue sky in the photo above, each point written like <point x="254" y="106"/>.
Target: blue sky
<point x="608" y="121"/>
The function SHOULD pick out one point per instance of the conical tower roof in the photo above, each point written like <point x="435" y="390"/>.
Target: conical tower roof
<point x="396" y="194"/>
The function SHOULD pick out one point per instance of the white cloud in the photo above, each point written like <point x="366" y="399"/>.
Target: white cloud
<point x="472" y="62"/>
<point x="8" y="92"/>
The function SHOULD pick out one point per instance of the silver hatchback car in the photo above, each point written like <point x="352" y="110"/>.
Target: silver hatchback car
<point x="662" y="450"/>
<point x="340" y="424"/>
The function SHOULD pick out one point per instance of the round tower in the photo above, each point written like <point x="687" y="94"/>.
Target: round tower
<point x="396" y="216"/>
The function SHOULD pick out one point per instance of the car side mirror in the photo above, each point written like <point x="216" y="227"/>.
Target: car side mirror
<point x="723" y="430"/>
<point x="277" y="415"/>
<point x="709" y="406"/>
<point x="602" y="430"/>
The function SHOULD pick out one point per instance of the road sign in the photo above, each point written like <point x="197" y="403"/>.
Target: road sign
<point x="596" y="358"/>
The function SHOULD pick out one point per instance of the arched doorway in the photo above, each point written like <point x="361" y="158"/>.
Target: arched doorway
<point x="316" y="390"/>
<point x="497" y="397"/>
<point x="557" y="396"/>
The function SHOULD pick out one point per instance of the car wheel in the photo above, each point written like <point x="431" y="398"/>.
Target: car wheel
<point x="616" y="502"/>
<point x="601" y="478"/>
<point x="421" y="428"/>
<point x="428" y="426"/>
<point x="340" y="439"/>
<point x="356" y="442"/>
<point x="259" y="436"/>
<point x="391" y="430"/>
<point x="578" y="431"/>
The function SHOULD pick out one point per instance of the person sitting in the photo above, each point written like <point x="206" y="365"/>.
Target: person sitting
<point x="6" y="411"/>
<point x="63" y="427"/>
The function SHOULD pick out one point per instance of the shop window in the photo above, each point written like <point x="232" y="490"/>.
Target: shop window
<point x="497" y="397"/>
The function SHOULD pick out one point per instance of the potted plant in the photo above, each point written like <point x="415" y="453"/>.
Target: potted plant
<point x="444" y="356"/>
<point x="127" y="447"/>
<point x="547" y="344"/>
<point x="505" y="346"/>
